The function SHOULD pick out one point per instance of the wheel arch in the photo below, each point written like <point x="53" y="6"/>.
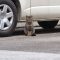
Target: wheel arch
<point x="18" y="6"/>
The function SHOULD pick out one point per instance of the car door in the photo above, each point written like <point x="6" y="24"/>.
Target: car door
<point x="39" y="9"/>
<point x="54" y="9"/>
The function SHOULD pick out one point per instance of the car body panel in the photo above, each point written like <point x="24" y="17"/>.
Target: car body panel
<point x="41" y="9"/>
<point x="54" y="9"/>
<point x="25" y="4"/>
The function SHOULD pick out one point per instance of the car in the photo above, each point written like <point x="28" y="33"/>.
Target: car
<point x="45" y="12"/>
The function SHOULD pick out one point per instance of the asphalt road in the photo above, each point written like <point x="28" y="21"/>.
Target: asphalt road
<point x="44" y="41"/>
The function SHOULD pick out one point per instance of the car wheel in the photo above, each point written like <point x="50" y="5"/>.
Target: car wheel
<point x="8" y="17"/>
<point x="48" y="24"/>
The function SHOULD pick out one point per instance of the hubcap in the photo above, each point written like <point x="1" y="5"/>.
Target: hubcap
<point x="6" y="17"/>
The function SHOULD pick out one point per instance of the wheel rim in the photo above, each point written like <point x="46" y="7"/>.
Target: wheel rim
<point x="6" y="17"/>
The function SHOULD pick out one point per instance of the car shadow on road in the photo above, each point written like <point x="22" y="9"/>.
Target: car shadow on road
<point x="38" y="30"/>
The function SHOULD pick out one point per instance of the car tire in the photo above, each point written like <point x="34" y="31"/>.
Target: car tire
<point x="8" y="17"/>
<point x="48" y="24"/>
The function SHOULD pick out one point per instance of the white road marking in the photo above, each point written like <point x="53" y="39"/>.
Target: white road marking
<point x="19" y="55"/>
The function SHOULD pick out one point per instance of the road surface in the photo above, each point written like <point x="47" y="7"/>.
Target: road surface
<point x="45" y="43"/>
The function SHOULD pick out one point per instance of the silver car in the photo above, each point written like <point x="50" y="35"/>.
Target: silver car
<point x="46" y="12"/>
